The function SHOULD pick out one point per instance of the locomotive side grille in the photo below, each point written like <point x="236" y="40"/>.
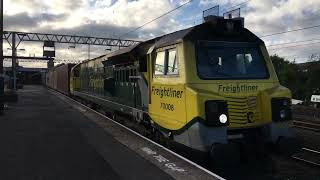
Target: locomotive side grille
<point x="238" y="109"/>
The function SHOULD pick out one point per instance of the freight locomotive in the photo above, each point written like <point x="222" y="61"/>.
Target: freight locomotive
<point x="203" y="88"/>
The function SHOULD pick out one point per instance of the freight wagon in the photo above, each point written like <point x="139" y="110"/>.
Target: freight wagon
<point x="58" y="78"/>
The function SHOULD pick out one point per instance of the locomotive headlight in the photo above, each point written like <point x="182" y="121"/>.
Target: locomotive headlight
<point x="216" y="113"/>
<point x="223" y="118"/>
<point x="281" y="109"/>
<point x="283" y="114"/>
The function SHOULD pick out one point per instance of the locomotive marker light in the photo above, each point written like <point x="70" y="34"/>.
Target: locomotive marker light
<point x="281" y="109"/>
<point x="285" y="102"/>
<point x="283" y="114"/>
<point x="223" y="118"/>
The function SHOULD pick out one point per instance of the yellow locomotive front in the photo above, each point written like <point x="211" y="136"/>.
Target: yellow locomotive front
<point x="234" y="87"/>
<point x="227" y="88"/>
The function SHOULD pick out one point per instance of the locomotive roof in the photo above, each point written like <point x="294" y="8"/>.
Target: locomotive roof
<point x="142" y="48"/>
<point x="121" y="51"/>
<point x="217" y="30"/>
<point x="127" y="54"/>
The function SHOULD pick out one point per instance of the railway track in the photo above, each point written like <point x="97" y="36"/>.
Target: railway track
<point x="309" y="125"/>
<point x="308" y="156"/>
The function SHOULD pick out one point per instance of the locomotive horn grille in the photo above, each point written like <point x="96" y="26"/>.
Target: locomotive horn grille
<point x="239" y="108"/>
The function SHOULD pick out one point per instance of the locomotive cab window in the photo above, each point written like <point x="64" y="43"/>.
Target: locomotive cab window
<point x="172" y="62"/>
<point x="166" y="62"/>
<point x="159" y="66"/>
<point x="224" y="60"/>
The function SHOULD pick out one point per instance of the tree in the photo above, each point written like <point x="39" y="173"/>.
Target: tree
<point x="290" y="75"/>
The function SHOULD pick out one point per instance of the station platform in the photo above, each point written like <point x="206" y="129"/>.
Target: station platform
<point x="46" y="135"/>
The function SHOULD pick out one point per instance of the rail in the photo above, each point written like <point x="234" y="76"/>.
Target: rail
<point x="308" y="125"/>
<point x="309" y="156"/>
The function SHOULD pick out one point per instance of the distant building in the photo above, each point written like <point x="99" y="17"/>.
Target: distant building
<point x="26" y="75"/>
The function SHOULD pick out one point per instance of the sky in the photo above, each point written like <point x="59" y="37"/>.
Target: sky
<point x="114" y="18"/>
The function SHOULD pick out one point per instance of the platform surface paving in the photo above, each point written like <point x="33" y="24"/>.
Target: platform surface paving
<point x="40" y="140"/>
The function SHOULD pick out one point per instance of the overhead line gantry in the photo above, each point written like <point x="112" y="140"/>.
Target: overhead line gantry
<point x="70" y="39"/>
<point x="14" y="39"/>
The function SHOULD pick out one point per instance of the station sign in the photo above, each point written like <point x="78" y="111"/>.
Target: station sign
<point x="49" y="49"/>
<point x="315" y="98"/>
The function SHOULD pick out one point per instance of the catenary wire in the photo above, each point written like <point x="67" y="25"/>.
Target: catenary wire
<point x="307" y="44"/>
<point x="237" y="5"/>
<point x="288" y="31"/>
<point x="288" y="43"/>
<point x="156" y="18"/>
